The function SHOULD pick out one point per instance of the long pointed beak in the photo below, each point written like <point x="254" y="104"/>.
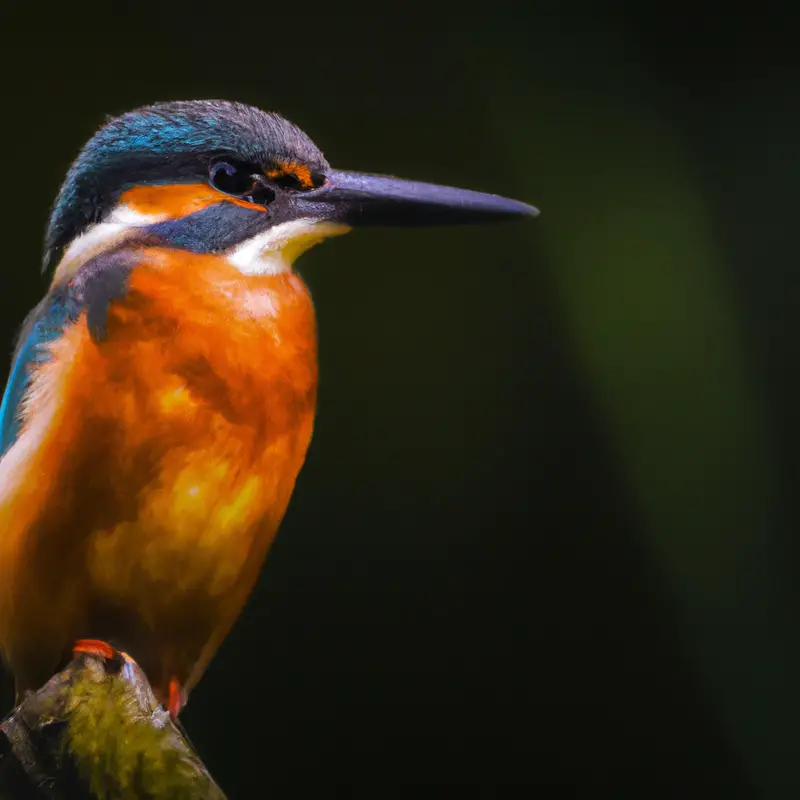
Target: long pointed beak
<point x="358" y="199"/>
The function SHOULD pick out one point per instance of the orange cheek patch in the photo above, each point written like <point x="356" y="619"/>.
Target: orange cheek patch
<point x="178" y="200"/>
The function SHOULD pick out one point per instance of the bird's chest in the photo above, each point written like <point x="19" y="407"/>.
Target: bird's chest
<point x="213" y="414"/>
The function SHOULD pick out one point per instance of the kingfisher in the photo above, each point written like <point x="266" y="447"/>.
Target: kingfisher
<point x="162" y="395"/>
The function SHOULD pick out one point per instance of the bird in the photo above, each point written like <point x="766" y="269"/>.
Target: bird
<point x="162" y="395"/>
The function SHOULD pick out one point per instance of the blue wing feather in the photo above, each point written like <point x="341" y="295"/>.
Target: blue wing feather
<point x="44" y="325"/>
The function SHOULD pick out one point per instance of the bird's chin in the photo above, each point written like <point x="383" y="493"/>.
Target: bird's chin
<point x="275" y="250"/>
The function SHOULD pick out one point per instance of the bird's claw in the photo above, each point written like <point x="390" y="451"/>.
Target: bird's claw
<point x="94" y="647"/>
<point x="177" y="698"/>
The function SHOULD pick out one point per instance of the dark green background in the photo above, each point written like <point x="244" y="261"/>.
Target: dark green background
<point x="545" y="536"/>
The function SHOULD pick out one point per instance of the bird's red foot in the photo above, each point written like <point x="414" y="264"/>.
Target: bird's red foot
<point x="177" y="698"/>
<point x="94" y="647"/>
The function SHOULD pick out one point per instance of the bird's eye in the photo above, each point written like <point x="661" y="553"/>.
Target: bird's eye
<point x="231" y="178"/>
<point x="240" y="180"/>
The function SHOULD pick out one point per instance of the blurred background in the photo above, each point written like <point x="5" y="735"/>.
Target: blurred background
<point x="545" y="538"/>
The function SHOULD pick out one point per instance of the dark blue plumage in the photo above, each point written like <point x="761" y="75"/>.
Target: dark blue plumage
<point x="211" y="230"/>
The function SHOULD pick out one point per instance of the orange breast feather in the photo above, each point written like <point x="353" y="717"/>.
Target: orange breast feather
<point x="154" y="468"/>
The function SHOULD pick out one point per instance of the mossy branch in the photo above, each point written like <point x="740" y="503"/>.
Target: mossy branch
<point x="95" y="732"/>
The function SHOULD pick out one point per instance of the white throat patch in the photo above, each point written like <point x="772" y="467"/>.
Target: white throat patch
<point x="274" y="251"/>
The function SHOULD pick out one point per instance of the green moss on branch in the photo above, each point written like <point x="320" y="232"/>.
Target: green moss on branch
<point x="96" y="731"/>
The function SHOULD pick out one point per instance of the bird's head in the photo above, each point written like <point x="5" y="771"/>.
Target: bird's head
<point x="220" y="177"/>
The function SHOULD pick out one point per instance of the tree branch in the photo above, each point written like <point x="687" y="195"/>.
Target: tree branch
<point x="96" y="731"/>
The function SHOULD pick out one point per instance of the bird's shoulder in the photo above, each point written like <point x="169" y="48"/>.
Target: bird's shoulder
<point x="91" y="289"/>
<point x="43" y="325"/>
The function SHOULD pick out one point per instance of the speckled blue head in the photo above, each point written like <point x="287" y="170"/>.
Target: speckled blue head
<point x="168" y="143"/>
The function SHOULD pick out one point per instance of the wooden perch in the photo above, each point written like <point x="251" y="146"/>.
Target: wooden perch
<point x="95" y="732"/>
